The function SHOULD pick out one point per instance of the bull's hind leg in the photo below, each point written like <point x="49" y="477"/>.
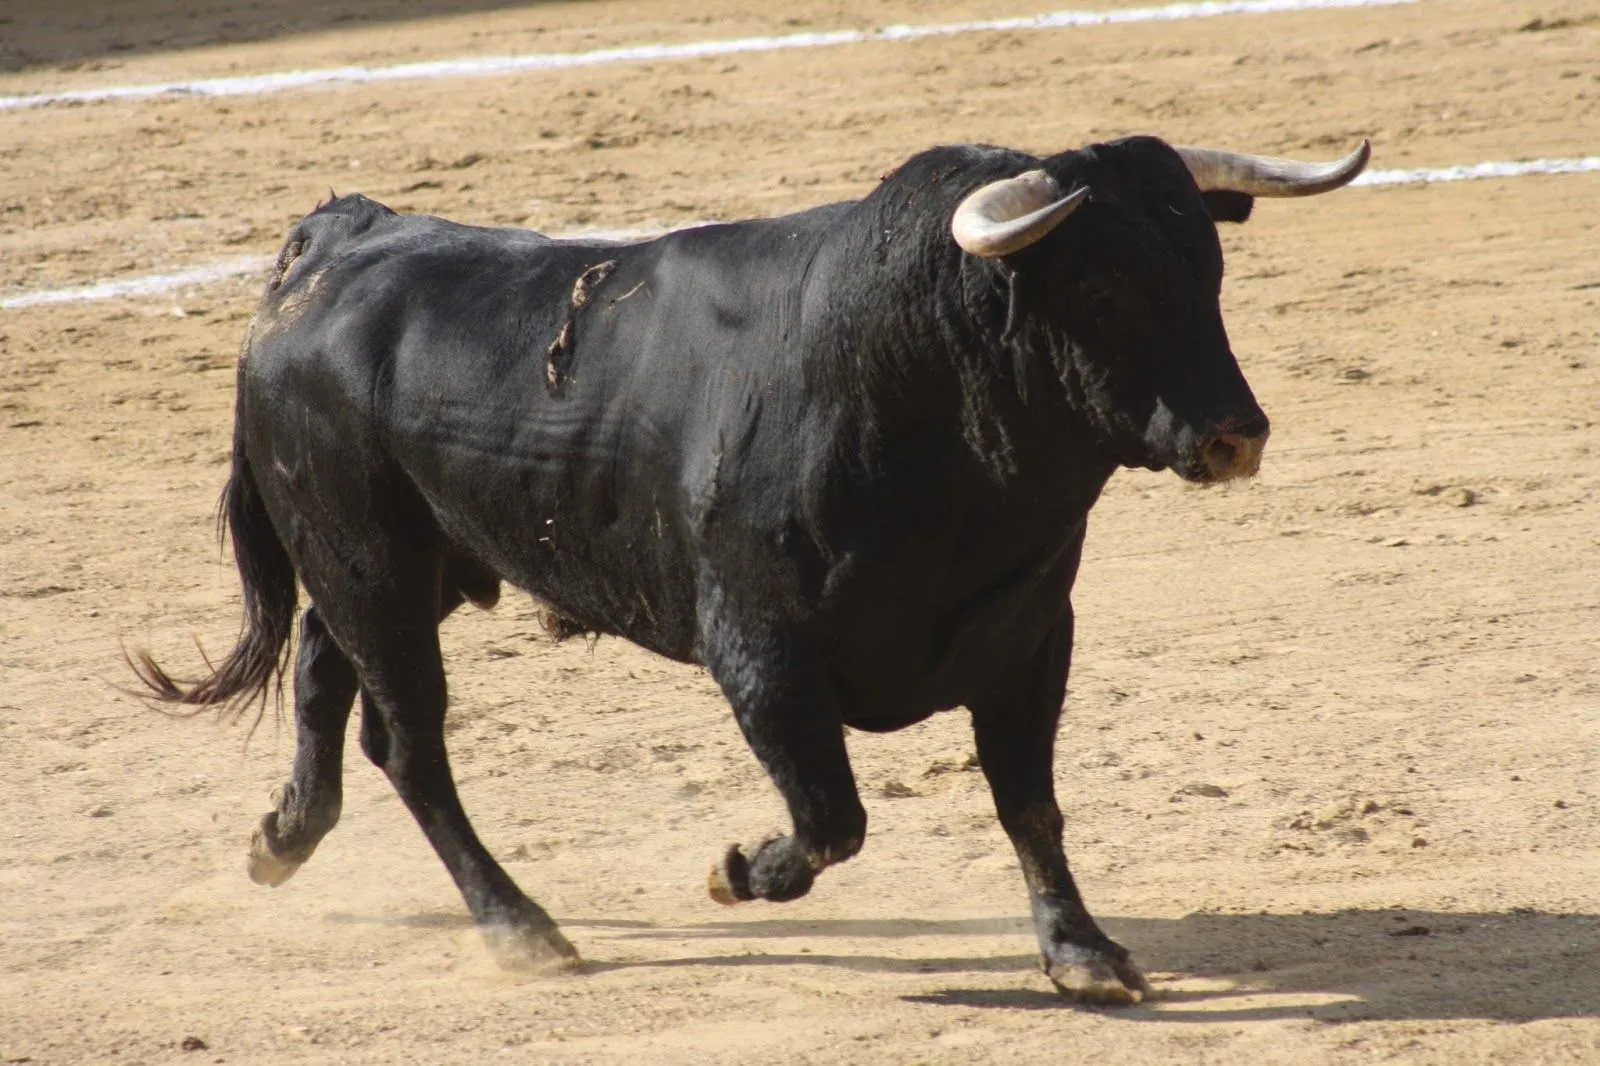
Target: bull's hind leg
<point x="392" y="635"/>
<point x="464" y="579"/>
<point x="324" y="687"/>
<point x="308" y="804"/>
<point x="1016" y="731"/>
<point x="791" y="719"/>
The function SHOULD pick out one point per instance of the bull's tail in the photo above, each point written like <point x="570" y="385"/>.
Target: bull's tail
<point x="266" y="573"/>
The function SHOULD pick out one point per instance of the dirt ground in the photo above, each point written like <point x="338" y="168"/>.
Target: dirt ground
<point x="1382" y="653"/>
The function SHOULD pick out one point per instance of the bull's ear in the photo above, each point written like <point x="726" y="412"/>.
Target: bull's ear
<point x="1226" y="205"/>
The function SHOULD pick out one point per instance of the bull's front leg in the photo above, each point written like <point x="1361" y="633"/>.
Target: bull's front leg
<point x="791" y="719"/>
<point x="1015" y="726"/>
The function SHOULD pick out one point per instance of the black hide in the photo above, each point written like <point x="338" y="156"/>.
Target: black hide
<point x="832" y="457"/>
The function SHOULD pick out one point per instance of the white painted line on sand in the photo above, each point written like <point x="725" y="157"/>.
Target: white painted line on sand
<point x="157" y="284"/>
<point x="242" y="266"/>
<point x="1479" y="171"/>
<point x="147" y="285"/>
<point x="484" y="66"/>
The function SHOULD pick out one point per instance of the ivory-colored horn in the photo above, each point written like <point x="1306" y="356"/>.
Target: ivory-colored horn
<point x="1260" y="175"/>
<point x="1008" y="215"/>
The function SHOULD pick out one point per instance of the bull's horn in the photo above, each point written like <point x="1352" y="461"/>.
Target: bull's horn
<point x="1260" y="175"/>
<point x="1006" y="216"/>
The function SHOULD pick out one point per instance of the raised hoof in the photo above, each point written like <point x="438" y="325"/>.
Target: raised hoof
<point x="531" y="950"/>
<point x="1099" y="980"/>
<point x="729" y="880"/>
<point x="265" y="866"/>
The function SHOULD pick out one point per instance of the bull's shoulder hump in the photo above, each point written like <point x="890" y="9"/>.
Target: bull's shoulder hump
<point x="774" y="232"/>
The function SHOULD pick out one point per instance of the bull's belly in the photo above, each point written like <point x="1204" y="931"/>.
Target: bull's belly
<point x="625" y="612"/>
<point x="886" y="722"/>
<point x="611" y="590"/>
<point x="595" y="568"/>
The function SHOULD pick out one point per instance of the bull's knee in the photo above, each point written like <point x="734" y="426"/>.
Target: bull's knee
<point x="841" y="839"/>
<point x="374" y="735"/>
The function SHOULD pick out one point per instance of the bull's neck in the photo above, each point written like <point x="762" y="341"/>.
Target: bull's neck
<point x="930" y="361"/>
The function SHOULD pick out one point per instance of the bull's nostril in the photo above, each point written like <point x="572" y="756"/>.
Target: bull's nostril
<point x="1231" y="455"/>
<point x="1221" y="454"/>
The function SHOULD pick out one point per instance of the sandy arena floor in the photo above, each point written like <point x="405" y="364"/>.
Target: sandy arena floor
<point x="1384" y="650"/>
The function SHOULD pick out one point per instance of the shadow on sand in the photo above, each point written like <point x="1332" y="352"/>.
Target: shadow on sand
<point x="1343" y="966"/>
<point x="34" y="33"/>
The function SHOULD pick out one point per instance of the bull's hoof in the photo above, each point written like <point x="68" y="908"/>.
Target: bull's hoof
<point x="1097" y="979"/>
<point x="527" y="950"/>
<point x="265" y="865"/>
<point x="729" y="880"/>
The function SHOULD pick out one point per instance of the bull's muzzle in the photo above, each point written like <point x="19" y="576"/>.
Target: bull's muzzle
<point x="1233" y="452"/>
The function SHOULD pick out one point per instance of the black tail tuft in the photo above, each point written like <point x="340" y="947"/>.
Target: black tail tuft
<point x="257" y="661"/>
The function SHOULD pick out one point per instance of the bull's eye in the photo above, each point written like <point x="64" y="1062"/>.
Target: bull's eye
<point x="1098" y="300"/>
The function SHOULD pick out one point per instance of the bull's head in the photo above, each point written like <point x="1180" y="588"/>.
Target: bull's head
<point x="1126" y="295"/>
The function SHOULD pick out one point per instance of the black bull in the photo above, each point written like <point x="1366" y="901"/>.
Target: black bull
<point x="843" y="458"/>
